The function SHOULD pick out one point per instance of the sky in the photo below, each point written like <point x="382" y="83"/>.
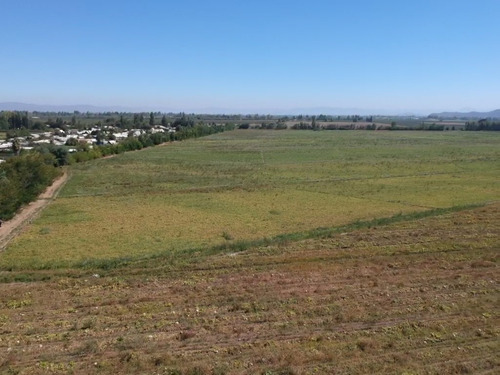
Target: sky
<point x="272" y="56"/>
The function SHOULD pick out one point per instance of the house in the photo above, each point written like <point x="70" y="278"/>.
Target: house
<point x="5" y="146"/>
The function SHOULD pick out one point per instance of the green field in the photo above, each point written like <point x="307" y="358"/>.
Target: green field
<point x="264" y="252"/>
<point x="248" y="185"/>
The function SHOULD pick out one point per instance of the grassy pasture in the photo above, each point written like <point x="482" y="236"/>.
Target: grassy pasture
<point x="338" y="293"/>
<point x="246" y="185"/>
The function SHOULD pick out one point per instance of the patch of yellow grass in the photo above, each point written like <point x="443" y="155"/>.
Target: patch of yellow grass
<point x="131" y="226"/>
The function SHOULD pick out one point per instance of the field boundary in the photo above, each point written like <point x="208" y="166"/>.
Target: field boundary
<point x="325" y="232"/>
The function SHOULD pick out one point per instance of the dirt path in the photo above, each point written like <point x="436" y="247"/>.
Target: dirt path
<point x="13" y="227"/>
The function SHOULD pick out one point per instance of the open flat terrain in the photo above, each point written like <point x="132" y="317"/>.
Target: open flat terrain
<point x="264" y="252"/>
<point x="247" y="185"/>
<point x="413" y="297"/>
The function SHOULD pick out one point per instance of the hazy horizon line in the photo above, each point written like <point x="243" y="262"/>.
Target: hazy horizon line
<point x="315" y="110"/>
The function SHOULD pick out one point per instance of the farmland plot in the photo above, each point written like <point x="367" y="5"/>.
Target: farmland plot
<point x="247" y="185"/>
<point x="414" y="297"/>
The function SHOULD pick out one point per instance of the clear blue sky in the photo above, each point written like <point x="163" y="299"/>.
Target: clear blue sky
<point x="253" y="56"/>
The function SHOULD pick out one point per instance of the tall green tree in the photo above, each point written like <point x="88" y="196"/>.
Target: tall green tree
<point x="16" y="146"/>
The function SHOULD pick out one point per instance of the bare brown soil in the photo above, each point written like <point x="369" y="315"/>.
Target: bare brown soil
<point x="416" y="297"/>
<point x="11" y="228"/>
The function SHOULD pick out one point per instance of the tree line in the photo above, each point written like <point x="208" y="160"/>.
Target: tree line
<point x="19" y="121"/>
<point x="483" y="125"/>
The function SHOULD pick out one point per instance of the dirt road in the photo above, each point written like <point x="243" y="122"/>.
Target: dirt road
<point x="13" y="227"/>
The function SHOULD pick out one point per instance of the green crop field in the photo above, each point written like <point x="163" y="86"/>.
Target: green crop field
<point x="264" y="252"/>
<point x="247" y="185"/>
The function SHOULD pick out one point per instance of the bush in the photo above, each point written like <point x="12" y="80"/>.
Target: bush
<point x="23" y="178"/>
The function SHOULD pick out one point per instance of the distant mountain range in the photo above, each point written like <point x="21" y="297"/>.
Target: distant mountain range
<point x="465" y="115"/>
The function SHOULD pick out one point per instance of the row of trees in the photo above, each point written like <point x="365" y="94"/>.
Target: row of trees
<point x="482" y="125"/>
<point x="20" y="123"/>
<point x="314" y="126"/>
<point x="19" y="120"/>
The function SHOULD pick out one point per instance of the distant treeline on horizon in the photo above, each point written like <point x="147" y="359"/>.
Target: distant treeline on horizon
<point x="18" y="122"/>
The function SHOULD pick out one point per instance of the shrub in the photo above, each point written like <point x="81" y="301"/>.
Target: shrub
<point x="22" y="179"/>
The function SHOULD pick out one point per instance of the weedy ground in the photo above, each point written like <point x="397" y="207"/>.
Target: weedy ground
<point x="247" y="185"/>
<point x="414" y="297"/>
<point x="264" y="253"/>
